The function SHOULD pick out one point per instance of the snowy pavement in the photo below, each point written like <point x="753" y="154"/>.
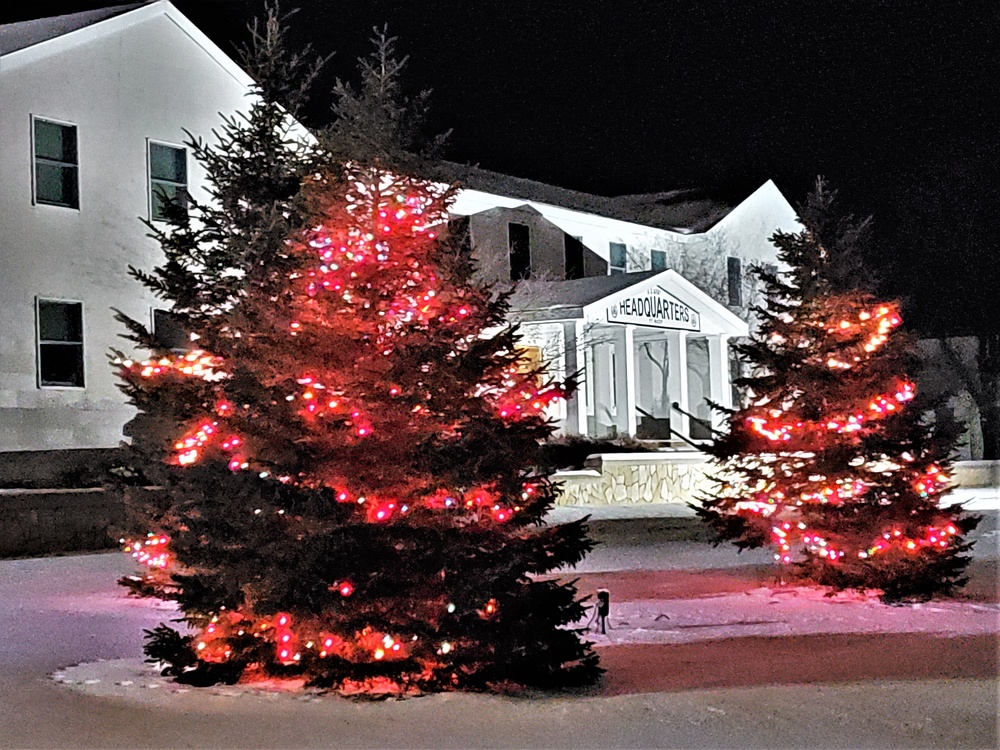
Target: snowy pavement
<point x="789" y="611"/>
<point x="632" y="538"/>
<point x="702" y="652"/>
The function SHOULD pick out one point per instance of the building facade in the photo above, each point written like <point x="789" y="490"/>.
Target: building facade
<point x="640" y="294"/>
<point x="95" y="107"/>
<point x="642" y="313"/>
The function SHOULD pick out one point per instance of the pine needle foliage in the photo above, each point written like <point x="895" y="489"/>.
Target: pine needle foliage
<point x="832" y="459"/>
<point x="350" y="459"/>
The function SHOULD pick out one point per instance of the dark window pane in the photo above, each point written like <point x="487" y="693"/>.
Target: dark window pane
<point x="55" y="142"/>
<point x="461" y="233"/>
<point x="167" y="163"/>
<point x="735" y="281"/>
<point x="55" y="164"/>
<point x="60" y="321"/>
<point x="735" y="371"/>
<point x="658" y="260"/>
<point x="519" y="239"/>
<point x="169" y="330"/>
<point x="164" y="194"/>
<point x="574" y="257"/>
<point x="618" y="255"/>
<point x="56" y="184"/>
<point x="61" y="364"/>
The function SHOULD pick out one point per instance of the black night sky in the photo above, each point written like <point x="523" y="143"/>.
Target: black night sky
<point x="892" y="101"/>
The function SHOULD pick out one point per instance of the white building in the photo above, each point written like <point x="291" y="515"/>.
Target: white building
<point x="643" y="311"/>
<point x="94" y="110"/>
<point x="640" y="292"/>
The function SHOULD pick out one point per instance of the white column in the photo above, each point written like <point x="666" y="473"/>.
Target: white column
<point x="580" y="347"/>
<point x="721" y="385"/>
<point x="677" y="381"/>
<point x="624" y="340"/>
<point x="628" y="360"/>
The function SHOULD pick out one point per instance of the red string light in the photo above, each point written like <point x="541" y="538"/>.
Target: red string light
<point x="369" y="280"/>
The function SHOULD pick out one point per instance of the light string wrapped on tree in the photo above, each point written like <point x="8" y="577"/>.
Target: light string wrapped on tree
<point x="832" y="461"/>
<point x="349" y="480"/>
<point x="366" y="285"/>
<point x="863" y="336"/>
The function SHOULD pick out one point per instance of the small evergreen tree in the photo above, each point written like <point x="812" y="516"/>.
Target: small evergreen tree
<point x="831" y="460"/>
<point x="348" y="461"/>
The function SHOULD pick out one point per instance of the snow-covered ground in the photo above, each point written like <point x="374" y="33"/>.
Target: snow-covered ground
<point x="755" y="612"/>
<point x="786" y="667"/>
<point x="639" y="543"/>
<point x="976" y="498"/>
<point x="786" y="612"/>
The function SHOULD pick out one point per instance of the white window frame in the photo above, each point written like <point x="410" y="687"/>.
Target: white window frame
<point x="34" y="164"/>
<point x="652" y="254"/>
<point x="38" y="344"/>
<point x="590" y="371"/>
<point x="614" y="270"/>
<point x="150" y="142"/>
<point x="613" y="378"/>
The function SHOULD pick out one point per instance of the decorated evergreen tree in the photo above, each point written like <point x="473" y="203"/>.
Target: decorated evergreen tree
<point x="347" y="460"/>
<point x="832" y="460"/>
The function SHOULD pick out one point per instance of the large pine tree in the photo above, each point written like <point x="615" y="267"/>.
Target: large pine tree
<point x="347" y="461"/>
<point x="832" y="461"/>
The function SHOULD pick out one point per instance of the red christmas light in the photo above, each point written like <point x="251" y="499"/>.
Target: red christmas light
<point x="370" y="285"/>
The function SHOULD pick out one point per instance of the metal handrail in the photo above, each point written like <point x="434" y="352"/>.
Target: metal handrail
<point x="704" y="423"/>
<point x="674" y="432"/>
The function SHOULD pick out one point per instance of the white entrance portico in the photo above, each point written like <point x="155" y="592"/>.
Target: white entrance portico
<point x="651" y="351"/>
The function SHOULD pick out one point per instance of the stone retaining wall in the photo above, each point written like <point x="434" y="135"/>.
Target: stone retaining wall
<point x="60" y="469"/>
<point x="41" y="522"/>
<point x="635" y="479"/>
<point x="679" y="478"/>
<point x="977" y="474"/>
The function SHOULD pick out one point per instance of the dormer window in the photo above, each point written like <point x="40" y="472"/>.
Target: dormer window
<point x="519" y="247"/>
<point x="658" y="260"/>
<point x="618" y="258"/>
<point x="574" y="257"/>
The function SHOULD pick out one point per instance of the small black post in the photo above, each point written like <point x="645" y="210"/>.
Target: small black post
<point x="603" y="608"/>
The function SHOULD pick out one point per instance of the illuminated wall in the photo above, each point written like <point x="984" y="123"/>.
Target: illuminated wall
<point x="145" y="75"/>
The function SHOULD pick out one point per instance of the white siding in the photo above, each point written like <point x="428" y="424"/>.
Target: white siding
<point x="701" y="258"/>
<point x="150" y="74"/>
<point x="149" y="78"/>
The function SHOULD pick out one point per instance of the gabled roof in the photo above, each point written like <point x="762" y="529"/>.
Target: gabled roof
<point x="714" y="317"/>
<point x="685" y="211"/>
<point x="23" y="34"/>
<point x="28" y="41"/>
<point x="681" y="211"/>
<point x="536" y="296"/>
<point x="592" y="298"/>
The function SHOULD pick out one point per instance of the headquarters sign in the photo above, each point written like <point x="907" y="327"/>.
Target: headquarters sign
<point x="654" y="308"/>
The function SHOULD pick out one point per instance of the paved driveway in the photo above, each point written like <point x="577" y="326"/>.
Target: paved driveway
<point x="62" y="611"/>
